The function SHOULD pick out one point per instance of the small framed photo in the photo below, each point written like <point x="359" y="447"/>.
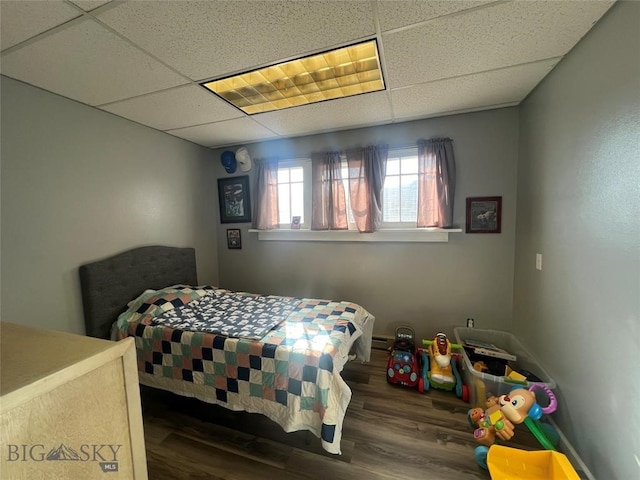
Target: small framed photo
<point x="234" y="239"/>
<point x="484" y="214"/>
<point x="295" y="223"/>
<point x="235" y="203"/>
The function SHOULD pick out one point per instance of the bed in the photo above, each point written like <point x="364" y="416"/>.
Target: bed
<point x="289" y="373"/>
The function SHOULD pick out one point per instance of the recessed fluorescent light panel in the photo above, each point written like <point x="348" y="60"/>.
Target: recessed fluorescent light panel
<point x="335" y="74"/>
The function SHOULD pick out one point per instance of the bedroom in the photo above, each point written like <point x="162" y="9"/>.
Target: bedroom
<point x="79" y="184"/>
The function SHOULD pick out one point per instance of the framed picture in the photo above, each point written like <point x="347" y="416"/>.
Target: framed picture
<point x="234" y="240"/>
<point x="295" y="223"/>
<point x="235" y="204"/>
<point x="484" y="214"/>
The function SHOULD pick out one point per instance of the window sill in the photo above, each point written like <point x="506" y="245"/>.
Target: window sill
<point x="387" y="235"/>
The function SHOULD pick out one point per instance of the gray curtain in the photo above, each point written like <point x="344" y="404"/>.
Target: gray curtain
<point x="436" y="182"/>
<point x="266" y="206"/>
<point x="367" y="171"/>
<point x="329" y="206"/>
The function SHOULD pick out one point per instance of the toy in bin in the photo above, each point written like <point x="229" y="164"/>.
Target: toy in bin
<point x="440" y="366"/>
<point x="403" y="366"/>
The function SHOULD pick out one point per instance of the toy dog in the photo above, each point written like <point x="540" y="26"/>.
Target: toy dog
<point x="504" y="412"/>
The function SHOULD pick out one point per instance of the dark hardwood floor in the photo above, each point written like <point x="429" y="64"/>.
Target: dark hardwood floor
<point x="389" y="432"/>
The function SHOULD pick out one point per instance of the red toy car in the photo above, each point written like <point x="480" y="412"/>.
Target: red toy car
<point x="403" y="366"/>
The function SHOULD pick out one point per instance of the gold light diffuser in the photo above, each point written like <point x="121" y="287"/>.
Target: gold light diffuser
<point x="336" y="74"/>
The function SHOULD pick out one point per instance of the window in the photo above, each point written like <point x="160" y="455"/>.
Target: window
<point x="399" y="196"/>
<point x="399" y="204"/>
<point x="294" y="192"/>
<point x="400" y="193"/>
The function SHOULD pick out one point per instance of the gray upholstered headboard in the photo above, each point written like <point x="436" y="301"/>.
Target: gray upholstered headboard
<point x="108" y="285"/>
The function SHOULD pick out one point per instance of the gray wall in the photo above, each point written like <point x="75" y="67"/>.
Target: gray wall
<point x="431" y="286"/>
<point x="579" y="205"/>
<point x="79" y="184"/>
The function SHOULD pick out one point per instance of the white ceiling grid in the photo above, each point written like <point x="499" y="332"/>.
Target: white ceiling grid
<point x="144" y="60"/>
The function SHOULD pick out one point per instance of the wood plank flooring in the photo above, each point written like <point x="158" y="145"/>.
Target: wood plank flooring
<point x="389" y="432"/>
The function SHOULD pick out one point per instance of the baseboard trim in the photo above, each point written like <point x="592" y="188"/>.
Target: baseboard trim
<point x="565" y="447"/>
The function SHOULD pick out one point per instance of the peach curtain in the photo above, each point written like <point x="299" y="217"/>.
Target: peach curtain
<point x="436" y="182"/>
<point x="266" y="215"/>
<point x="329" y="206"/>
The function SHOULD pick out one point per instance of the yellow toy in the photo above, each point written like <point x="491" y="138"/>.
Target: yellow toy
<point x="506" y="463"/>
<point x="440" y="367"/>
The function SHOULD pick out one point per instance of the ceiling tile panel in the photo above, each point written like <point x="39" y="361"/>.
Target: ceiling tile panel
<point x="178" y="107"/>
<point x="371" y="108"/>
<point x="400" y="13"/>
<point x="480" y="91"/>
<point x="88" y="5"/>
<point x="141" y="59"/>
<point x="86" y="62"/>
<point x="21" y="20"/>
<point x="230" y="132"/>
<point x="497" y="36"/>
<point x="223" y="37"/>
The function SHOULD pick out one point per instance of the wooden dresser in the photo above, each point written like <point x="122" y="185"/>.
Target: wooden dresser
<point x="69" y="407"/>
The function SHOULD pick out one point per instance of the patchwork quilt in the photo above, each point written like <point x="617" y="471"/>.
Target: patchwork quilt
<point x="291" y="374"/>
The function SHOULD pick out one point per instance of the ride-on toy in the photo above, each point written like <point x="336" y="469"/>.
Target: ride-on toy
<point x="440" y="366"/>
<point x="403" y="367"/>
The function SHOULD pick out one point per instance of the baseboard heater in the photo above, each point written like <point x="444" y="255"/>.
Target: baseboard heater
<point x="381" y="342"/>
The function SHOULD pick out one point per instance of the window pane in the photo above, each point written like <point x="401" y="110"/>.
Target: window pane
<point x="393" y="166"/>
<point x="400" y="194"/>
<point x="283" y="175"/>
<point x="297" y="202"/>
<point x="391" y="199"/>
<point x="297" y="174"/>
<point x="292" y="193"/>
<point x="409" y="198"/>
<point x="284" y="207"/>
<point x="409" y="165"/>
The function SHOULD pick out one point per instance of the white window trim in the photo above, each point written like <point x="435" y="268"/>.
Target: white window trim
<point x="412" y="235"/>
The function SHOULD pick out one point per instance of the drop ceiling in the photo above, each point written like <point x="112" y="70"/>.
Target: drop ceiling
<point x="145" y="60"/>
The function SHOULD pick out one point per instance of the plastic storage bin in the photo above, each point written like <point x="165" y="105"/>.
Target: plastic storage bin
<point x="482" y="384"/>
